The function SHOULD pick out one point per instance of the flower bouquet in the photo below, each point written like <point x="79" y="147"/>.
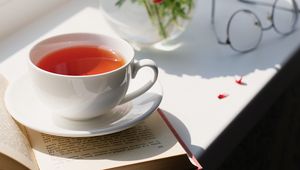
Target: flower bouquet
<point x="147" y="22"/>
<point x="165" y="13"/>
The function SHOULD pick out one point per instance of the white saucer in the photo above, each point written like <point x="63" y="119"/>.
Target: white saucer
<point x="23" y="105"/>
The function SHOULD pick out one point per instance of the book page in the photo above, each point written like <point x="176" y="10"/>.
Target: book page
<point x="13" y="142"/>
<point x="7" y="163"/>
<point x="146" y="141"/>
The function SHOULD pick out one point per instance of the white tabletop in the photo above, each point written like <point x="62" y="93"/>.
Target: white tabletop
<point x="192" y="76"/>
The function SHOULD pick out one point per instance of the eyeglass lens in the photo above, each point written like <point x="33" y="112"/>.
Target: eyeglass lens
<point x="244" y="31"/>
<point x="285" y="16"/>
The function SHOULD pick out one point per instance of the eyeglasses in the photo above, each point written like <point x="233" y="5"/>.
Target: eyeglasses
<point x="244" y="28"/>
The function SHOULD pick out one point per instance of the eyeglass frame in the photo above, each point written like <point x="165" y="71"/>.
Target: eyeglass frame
<point x="271" y="18"/>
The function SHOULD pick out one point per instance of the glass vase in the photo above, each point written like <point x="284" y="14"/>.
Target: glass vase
<point x="148" y="23"/>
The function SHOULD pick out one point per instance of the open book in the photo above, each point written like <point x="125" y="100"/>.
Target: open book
<point x="149" y="145"/>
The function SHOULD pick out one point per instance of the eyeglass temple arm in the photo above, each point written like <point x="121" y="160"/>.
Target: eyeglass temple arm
<point x="268" y="4"/>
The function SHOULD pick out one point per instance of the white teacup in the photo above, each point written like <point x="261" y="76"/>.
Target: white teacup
<point x="86" y="97"/>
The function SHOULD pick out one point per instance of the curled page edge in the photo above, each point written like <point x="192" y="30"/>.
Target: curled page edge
<point x="191" y="156"/>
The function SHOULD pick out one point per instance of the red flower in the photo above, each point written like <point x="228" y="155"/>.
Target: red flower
<point x="158" y="1"/>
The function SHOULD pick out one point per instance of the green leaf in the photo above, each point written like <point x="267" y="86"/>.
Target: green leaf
<point x="119" y="3"/>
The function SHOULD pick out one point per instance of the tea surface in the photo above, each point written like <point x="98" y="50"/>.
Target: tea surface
<point x="81" y="60"/>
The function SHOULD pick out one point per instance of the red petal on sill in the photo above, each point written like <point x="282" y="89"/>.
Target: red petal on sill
<point x="222" y="96"/>
<point x="240" y="81"/>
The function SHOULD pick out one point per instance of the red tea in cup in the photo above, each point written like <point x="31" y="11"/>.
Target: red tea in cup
<point x="81" y="60"/>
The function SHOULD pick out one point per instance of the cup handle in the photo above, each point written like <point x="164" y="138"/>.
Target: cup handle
<point x="135" y="67"/>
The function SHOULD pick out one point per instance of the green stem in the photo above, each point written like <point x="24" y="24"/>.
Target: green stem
<point x="162" y="29"/>
<point x="145" y="2"/>
<point x="190" y="6"/>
